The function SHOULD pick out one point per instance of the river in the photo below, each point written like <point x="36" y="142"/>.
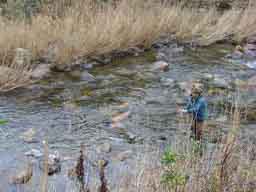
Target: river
<point x="66" y="111"/>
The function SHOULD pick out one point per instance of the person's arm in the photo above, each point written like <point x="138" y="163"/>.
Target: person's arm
<point x="184" y="108"/>
<point x="189" y="106"/>
<point x="193" y="108"/>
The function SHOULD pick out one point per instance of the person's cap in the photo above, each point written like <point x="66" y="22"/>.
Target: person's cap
<point x="197" y="88"/>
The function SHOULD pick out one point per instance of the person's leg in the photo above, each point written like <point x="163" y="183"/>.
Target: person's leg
<point x="199" y="130"/>
<point x="193" y="130"/>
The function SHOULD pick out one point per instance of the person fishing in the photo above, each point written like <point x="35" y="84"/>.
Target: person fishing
<point x="197" y="106"/>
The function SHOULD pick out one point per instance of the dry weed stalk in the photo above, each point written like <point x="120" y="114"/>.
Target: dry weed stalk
<point x="80" y="165"/>
<point x="80" y="171"/>
<point x="14" y="74"/>
<point x="44" y="178"/>
<point x="104" y="185"/>
<point x="12" y="79"/>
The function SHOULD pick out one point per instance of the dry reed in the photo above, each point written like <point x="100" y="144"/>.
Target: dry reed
<point x="44" y="178"/>
<point x="67" y="32"/>
<point x="87" y="29"/>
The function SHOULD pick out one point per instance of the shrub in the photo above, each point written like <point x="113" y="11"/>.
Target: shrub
<point x="172" y="176"/>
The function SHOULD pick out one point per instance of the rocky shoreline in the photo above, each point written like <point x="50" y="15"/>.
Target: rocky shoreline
<point x="43" y="68"/>
<point x="247" y="50"/>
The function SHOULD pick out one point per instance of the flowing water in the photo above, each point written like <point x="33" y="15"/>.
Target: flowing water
<point x="66" y="111"/>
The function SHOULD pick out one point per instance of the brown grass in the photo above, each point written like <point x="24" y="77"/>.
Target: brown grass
<point x="86" y="28"/>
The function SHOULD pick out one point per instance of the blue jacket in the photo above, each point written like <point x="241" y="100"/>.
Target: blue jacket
<point x="198" y="107"/>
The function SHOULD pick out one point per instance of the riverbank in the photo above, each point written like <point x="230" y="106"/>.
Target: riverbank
<point x="87" y="29"/>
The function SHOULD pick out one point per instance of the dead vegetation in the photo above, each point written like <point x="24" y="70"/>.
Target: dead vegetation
<point x="86" y="28"/>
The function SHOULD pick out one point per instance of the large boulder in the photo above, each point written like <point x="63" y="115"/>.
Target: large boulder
<point x="41" y="71"/>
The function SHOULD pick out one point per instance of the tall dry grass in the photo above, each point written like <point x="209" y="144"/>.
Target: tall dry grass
<point x="85" y="28"/>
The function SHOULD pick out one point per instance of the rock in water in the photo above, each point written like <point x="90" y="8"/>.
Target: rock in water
<point x="61" y="68"/>
<point x="235" y="55"/>
<point x="131" y="137"/>
<point x="104" y="148"/>
<point x="222" y="119"/>
<point x="250" y="46"/>
<point x="251" y="64"/>
<point x="55" y="156"/>
<point x="34" y="153"/>
<point x="28" y="136"/>
<point x="161" y="65"/>
<point x="86" y="66"/>
<point x="125" y="72"/>
<point x="167" y="82"/>
<point x="70" y="107"/>
<point x="124" y="155"/>
<point x="251" y="83"/>
<point x="54" y="165"/>
<point x="85" y="76"/>
<point x="251" y="115"/>
<point x="23" y="176"/>
<point x="251" y="39"/>
<point x="120" y="117"/>
<point x="208" y="76"/>
<point x="41" y="71"/>
<point x="220" y="82"/>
